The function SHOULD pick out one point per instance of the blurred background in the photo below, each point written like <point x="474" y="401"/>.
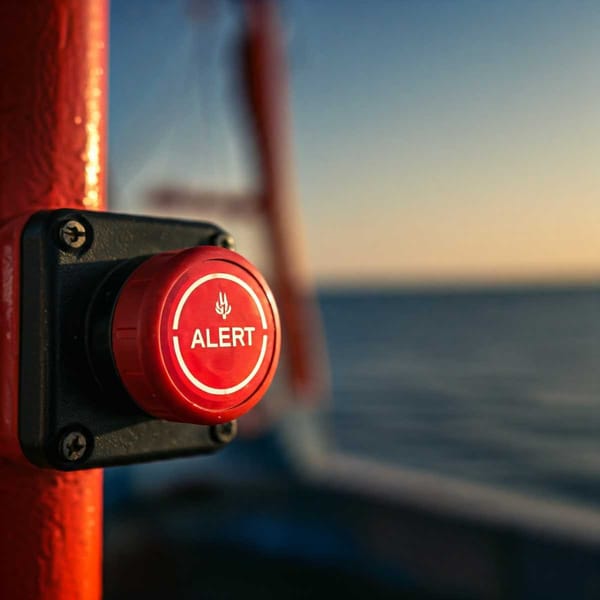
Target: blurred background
<point x="420" y="180"/>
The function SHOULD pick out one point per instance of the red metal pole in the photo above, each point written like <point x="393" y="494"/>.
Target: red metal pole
<point x="53" y="59"/>
<point x="266" y="86"/>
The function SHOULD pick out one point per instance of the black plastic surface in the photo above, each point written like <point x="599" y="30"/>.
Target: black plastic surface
<point x="66" y="302"/>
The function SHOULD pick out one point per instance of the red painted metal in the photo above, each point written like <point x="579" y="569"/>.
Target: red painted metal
<point x="266" y="87"/>
<point x="53" y="60"/>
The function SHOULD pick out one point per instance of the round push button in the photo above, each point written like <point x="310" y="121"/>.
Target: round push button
<point x="196" y="335"/>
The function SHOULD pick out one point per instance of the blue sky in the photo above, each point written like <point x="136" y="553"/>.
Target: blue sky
<point x="434" y="141"/>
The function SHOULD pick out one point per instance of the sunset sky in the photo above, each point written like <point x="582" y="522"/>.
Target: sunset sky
<point x="435" y="141"/>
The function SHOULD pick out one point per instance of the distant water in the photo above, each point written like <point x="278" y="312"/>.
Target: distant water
<point x="500" y="387"/>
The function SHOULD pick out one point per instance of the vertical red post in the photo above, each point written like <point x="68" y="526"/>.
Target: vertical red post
<point x="53" y="98"/>
<point x="266" y="87"/>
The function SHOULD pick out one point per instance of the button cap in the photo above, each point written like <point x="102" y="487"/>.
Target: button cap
<point x="196" y="335"/>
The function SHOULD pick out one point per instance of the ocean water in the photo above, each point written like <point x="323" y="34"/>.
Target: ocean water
<point x="501" y="387"/>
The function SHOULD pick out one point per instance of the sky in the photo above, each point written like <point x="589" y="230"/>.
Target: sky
<point x="435" y="141"/>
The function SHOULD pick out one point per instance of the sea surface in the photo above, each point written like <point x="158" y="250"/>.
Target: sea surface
<point x="493" y="386"/>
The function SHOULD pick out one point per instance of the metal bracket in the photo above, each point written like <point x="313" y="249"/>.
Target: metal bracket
<point x="73" y="411"/>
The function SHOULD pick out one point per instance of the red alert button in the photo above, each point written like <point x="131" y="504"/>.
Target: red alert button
<point x="196" y="335"/>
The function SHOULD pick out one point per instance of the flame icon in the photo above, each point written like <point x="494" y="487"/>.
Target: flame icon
<point x="222" y="306"/>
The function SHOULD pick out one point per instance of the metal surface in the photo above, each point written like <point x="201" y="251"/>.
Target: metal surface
<point x="266" y="87"/>
<point x="72" y="234"/>
<point x="73" y="445"/>
<point x="52" y="154"/>
<point x="224" y="432"/>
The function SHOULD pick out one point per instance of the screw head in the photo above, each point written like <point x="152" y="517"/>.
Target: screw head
<point x="73" y="446"/>
<point x="72" y="234"/>
<point x="223" y="432"/>
<point x="225" y="240"/>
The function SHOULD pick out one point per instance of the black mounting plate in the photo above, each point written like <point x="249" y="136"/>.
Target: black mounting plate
<point x="60" y="392"/>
